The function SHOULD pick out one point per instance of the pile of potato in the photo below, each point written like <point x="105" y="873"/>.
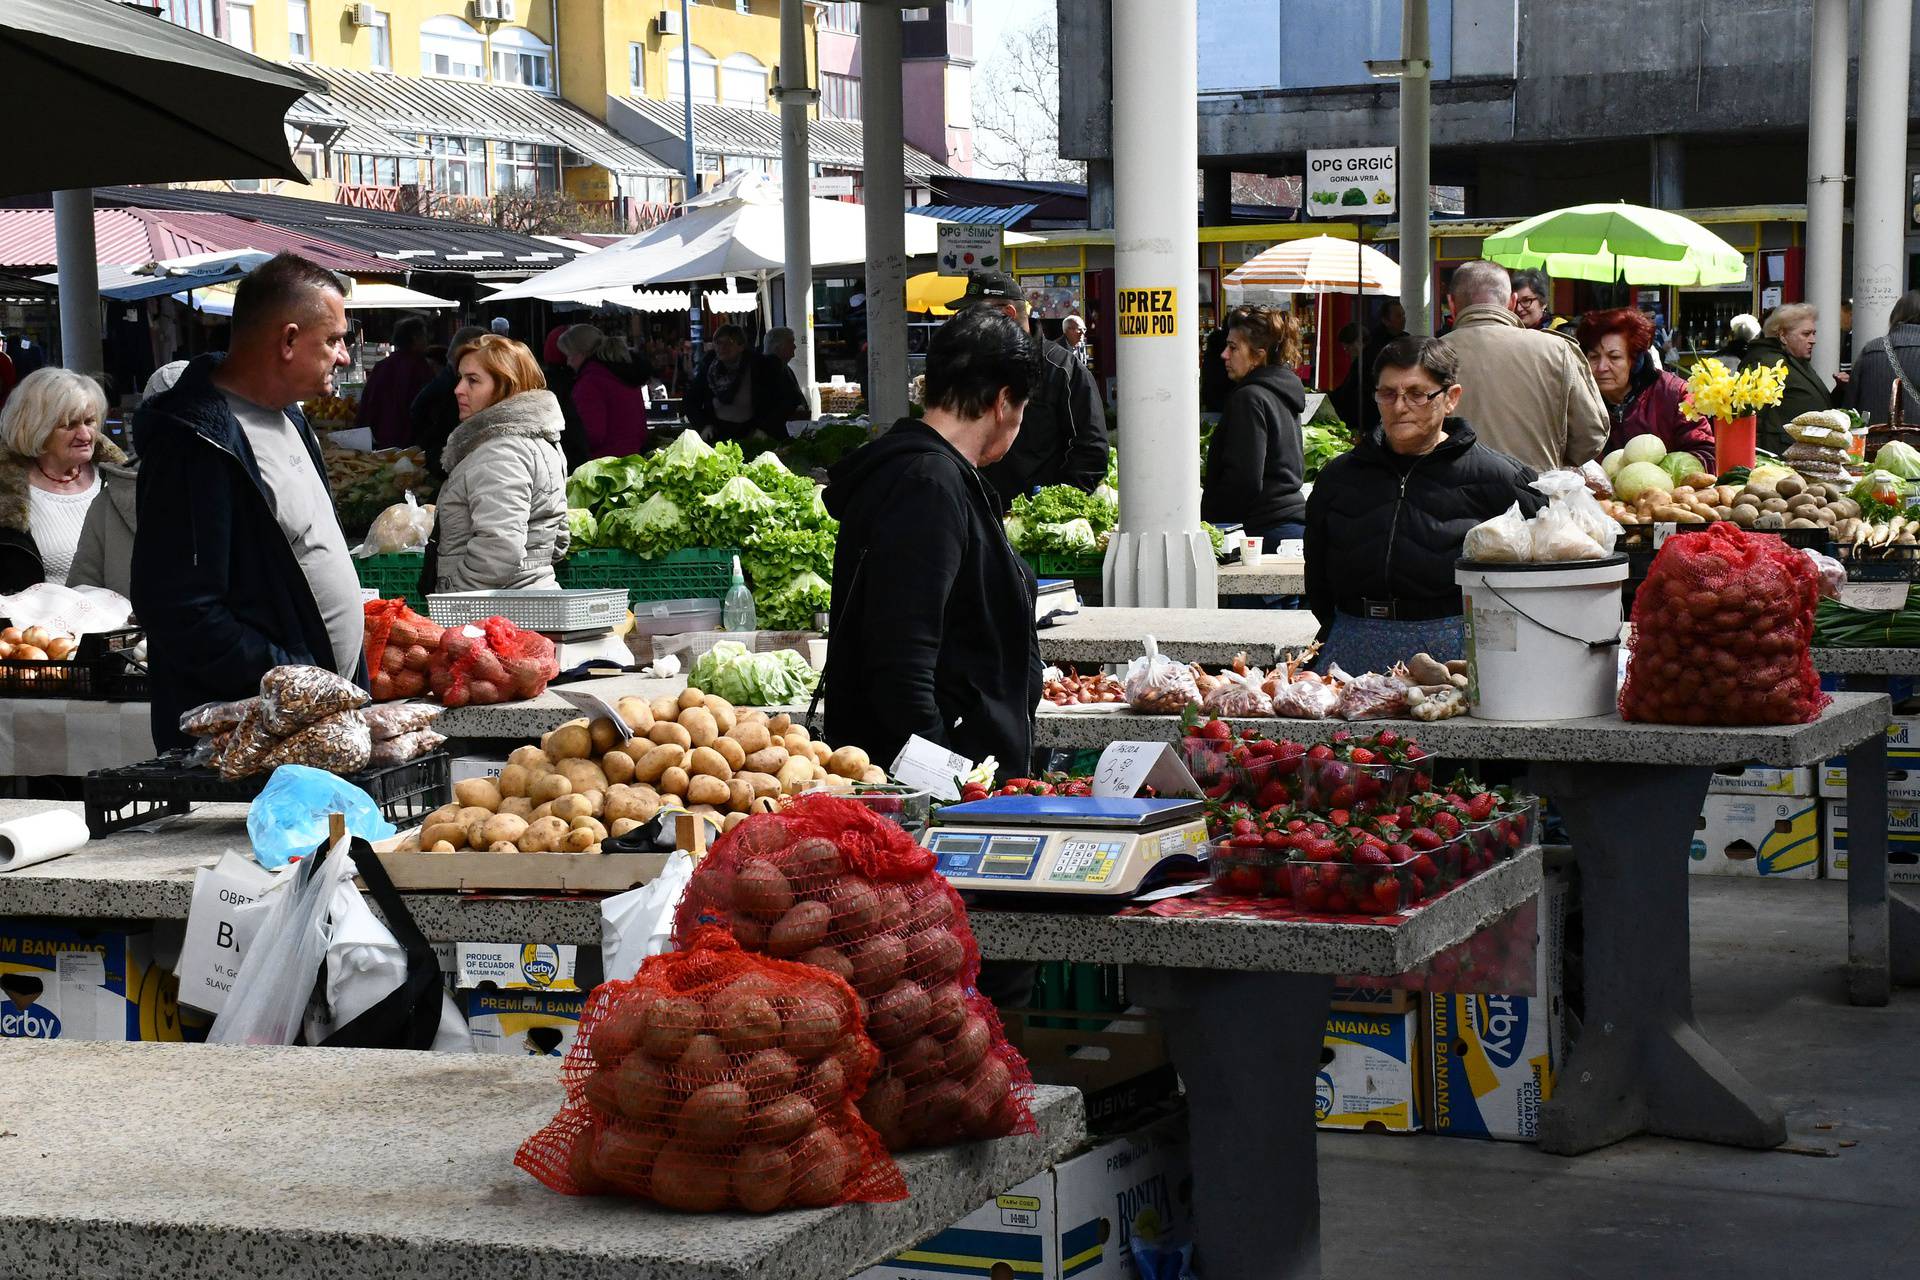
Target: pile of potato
<point x="588" y="782"/>
<point x="1789" y="502"/>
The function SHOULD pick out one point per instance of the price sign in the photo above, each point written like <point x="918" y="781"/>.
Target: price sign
<point x="930" y="767"/>
<point x="1126" y="767"/>
<point x="594" y="706"/>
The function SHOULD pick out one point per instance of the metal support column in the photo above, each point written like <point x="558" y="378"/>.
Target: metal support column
<point x="796" y="189"/>
<point x="1160" y="557"/>
<point x="1826" y="177"/>
<point x="79" y="281"/>
<point x="886" y="197"/>
<point x="1880" y="163"/>
<point x="1416" y="98"/>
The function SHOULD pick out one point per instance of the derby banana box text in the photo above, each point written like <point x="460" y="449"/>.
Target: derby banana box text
<point x="1078" y="1219"/>
<point x="1763" y="835"/>
<point x="1371" y="1072"/>
<point x="1495" y="1057"/>
<point x="528" y="1024"/>
<point x="1903" y="841"/>
<point x="58" y="983"/>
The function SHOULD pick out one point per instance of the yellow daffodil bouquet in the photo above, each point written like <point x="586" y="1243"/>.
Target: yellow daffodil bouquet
<point x="1715" y="392"/>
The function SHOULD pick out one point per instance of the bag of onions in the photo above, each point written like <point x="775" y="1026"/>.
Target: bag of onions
<point x="828" y="883"/>
<point x="714" y="1079"/>
<point x="1723" y="633"/>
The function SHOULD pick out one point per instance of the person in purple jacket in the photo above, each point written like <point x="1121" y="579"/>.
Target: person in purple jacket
<point x="1641" y="398"/>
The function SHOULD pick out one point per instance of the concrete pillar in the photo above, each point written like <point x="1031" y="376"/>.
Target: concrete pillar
<point x="79" y="282"/>
<point x="1416" y="98"/>
<point x="1666" y="172"/>
<point x="1826" y="177"/>
<point x="886" y="197"/>
<point x="686" y="105"/>
<point x="1099" y="195"/>
<point x="1880" y="163"/>
<point x="796" y="95"/>
<point x="1160" y="557"/>
<point x="1216" y="197"/>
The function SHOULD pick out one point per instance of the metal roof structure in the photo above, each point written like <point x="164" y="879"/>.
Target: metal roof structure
<point x="130" y="237"/>
<point x="985" y="215"/>
<point x="738" y="131"/>
<point x="337" y="125"/>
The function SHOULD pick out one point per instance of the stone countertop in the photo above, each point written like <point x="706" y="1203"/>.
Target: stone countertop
<point x="1213" y="636"/>
<point x="352" y="1164"/>
<point x="1867" y="662"/>
<point x="1852" y="718"/>
<point x="527" y="720"/>
<point x="1302" y="946"/>
<point x="1274" y="577"/>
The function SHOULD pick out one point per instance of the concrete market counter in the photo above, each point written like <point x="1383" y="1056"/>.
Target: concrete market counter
<point x="1212" y="636"/>
<point x="211" y="1162"/>
<point x="1274" y="577"/>
<point x="1867" y="662"/>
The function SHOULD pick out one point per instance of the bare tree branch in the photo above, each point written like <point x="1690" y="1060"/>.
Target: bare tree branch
<point x="1016" y="107"/>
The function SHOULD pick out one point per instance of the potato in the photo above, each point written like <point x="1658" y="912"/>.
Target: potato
<point x="884" y="1104"/>
<point x="532" y="759"/>
<point x="691" y="697"/>
<point x="571" y="741"/>
<point x="874" y="776"/>
<point x="778" y="725"/>
<point x="550" y="786"/>
<point x="947" y="1011"/>
<point x="637" y="805"/>
<point x="802" y="928"/>
<point x="781" y="1120"/>
<point x="795" y="774"/>
<point x="472" y="813"/>
<point x="722" y="712"/>
<point x="657" y="761"/>
<point x="674" y="782"/>
<point x="617" y="765"/>
<point x="606" y="735"/>
<point x="596" y="803"/>
<point x="739" y="795"/>
<point x="478" y="793"/>
<point x="969" y="1046"/>
<point x="514" y="780"/>
<point x="503" y="846"/>
<point x="765" y="785"/>
<point x="700" y="726"/>
<point x="621" y="826"/>
<point x="705" y="760"/>
<point x="796" y="740"/>
<point x="445" y="813"/>
<point x="543" y="835"/>
<point x="665" y="708"/>
<point x="577" y="840"/>
<point x="569" y="807"/>
<point x="732" y="820"/>
<point x="767" y="760"/>
<point x="848" y="762"/>
<point x="732" y="752"/>
<point x="820" y="1167"/>
<point x="451" y="834"/>
<point x="761" y="1178"/>
<point x="442" y="847"/>
<point x="541" y="811"/>
<point x="584" y="775"/>
<point x="760" y="890"/>
<point x="820" y="753"/>
<point x="501" y="828"/>
<point x="667" y="732"/>
<point x="752" y="737"/>
<point x="637" y="712"/>
<point x="693" y="1181"/>
<point x="706" y="789"/>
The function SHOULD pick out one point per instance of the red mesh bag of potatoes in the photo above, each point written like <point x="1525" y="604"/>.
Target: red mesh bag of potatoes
<point x="715" y="1079"/>
<point x="1723" y="633"/>
<point x="491" y="661"/>
<point x="400" y="645"/>
<point x="829" y="883"/>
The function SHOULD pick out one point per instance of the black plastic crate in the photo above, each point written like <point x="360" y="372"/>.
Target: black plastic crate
<point x="1881" y="564"/>
<point x="101" y="669"/>
<point x="117" y="799"/>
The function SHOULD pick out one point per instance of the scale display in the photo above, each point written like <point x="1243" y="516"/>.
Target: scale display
<point x="1064" y="845"/>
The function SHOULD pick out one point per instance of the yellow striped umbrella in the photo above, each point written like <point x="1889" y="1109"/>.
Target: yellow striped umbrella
<point x="1320" y="264"/>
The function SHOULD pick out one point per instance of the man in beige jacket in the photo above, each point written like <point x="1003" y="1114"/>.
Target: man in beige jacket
<point x="1529" y="393"/>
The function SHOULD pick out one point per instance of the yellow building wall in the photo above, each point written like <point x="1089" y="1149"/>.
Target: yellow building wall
<point x="336" y="42"/>
<point x="717" y="28"/>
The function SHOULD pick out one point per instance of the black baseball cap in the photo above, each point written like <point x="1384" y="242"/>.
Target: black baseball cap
<point x="993" y="286"/>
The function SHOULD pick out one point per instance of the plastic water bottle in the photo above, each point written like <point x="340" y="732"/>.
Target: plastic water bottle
<point x="736" y="614"/>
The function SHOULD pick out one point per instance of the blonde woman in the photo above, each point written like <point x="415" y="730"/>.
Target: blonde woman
<point x="1787" y="338"/>
<point x="51" y="475"/>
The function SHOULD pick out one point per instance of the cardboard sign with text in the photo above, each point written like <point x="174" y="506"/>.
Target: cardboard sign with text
<point x="930" y="767"/>
<point x="1126" y="767"/>
<point x="215" y="941"/>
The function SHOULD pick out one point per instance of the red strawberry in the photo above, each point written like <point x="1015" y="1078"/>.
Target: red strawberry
<point x="1274" y="839"/>
<point x="1311" y="898"/>
<point x="1244" y="881"/>
<point x="1480" y="808"/>
<point x="1371" y="856"/>
<point x="1362" y="756"/>
<point x="1387" y="738"/>
<point x="1386" y="893"/>
<point x="1423" y="867"/>
<point x="1217" y="730"/>
<point x="1424" y="839"/>
<point x="1339" y="817"/>
<point x="1320" y="751"/>
<point x="1245" y="827"/>
<point x="1446" y="824"/>
<point x="1319" y="849"/>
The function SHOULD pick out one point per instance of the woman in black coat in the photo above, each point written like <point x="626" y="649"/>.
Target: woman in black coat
<point x="1882" y="362"/>
<point x="1257" y="461"/>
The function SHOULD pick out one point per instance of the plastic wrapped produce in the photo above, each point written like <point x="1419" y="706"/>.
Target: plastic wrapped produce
<point x="1504" y="539"/>
<point x="339" y="743"/>
<point x="1238" y="695"/>
<point x="489" y="662"/>
<point x="396" y="719"/>
<point x="400" y="645"/>
<point x="1371" y="697"/>
<point x="404" y="526"/>
<point x="1157" y="685"/>
<point x="214" y="719"/>
<point x="714" y="1079"/>
<point x="294" y="696"/>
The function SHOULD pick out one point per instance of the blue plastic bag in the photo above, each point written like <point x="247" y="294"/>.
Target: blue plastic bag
<point x="288" y="819"/>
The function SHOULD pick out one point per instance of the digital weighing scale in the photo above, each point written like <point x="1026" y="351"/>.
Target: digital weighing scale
<point x="1075" y="845"/>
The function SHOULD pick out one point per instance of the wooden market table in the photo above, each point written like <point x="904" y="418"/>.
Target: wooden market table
<point x="1274" y="577"/>
<point x="1212" y="636"/>
<point x="220" y="1162"/>
<point x="1631" y="795"/>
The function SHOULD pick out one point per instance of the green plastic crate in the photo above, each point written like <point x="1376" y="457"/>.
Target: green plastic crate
<point x="696" y="573"/>
<point x="1058" y="566"/>
<point x="395" y="576"/>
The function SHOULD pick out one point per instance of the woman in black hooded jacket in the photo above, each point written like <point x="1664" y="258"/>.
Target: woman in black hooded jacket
<point x="1258" y="459"/>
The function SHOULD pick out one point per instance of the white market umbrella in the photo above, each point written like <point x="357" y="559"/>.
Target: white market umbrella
<point x="737" y="229"/>
<point x="1320" y="264"/>
<point x="217" y="300"/>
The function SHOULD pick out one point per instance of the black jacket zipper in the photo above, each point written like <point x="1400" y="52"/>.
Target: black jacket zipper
<point x="1393" y="529"/>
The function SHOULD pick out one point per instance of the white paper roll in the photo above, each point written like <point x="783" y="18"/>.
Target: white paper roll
<point x="40" y="837"/>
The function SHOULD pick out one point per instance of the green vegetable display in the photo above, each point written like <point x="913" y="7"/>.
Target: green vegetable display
<point x="1061" y="520"/>
<point x="1899" y="458"/>
<point x="726" y="517"/>
<point x="1323" y="444"/>
<point x="729" y="670"/>
<point x="792" y="605"/>
<point x="654" y="528"/>
<point x="582" y="529"/>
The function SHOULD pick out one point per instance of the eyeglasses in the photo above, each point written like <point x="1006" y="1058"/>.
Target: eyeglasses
<point x="1410" y="399"/>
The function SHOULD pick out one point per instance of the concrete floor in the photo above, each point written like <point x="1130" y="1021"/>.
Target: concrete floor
<point x="1767" y="991"/>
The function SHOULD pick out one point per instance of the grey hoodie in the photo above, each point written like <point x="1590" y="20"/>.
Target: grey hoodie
<point x="502" y="514"/>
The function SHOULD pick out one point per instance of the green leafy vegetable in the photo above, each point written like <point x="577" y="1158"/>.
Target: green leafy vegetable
<point x="1061" y="520"/>
<point x="1217" y="538"/>
<point x="791" y="606"/>
<point x="729" y="670"/>
<point x="1900" y="458"/>
<point x="582" y="529"/>
<point x="690" y="468"/>
<point x="595" y="486"/>
<point x="774" y="555"/>
<point x="1324" y="443"/>
<point x="727" y="517"/>
<point x="654" y="528"/>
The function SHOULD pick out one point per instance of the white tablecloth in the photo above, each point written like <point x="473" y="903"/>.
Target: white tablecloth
<point x="62" y="737"/>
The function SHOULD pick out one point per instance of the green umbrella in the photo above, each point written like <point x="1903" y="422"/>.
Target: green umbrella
<point x="1628" y="242"/>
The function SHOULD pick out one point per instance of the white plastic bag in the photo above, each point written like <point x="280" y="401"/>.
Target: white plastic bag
<point x="1504" y="539"/>
<point x="639" y="923"/>
<point x="1238" y="695"/>
<point x="1157" y="685"/>
<point x="365" y="964"/>
<point x="404" y="526"/>
<point x="71" y="611"/>
<point x="1570" y="490"/>
<point x="1556" y="536"/>
<point x="270" y="993"/>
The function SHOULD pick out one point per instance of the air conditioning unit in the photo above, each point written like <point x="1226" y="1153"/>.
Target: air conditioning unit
<point x="668" y="23"/>
<point x="363" y="15"/>
<point x="487" y="10"/>
<point x="508" y="12"/>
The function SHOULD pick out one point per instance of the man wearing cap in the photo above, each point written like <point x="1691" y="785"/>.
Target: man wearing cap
<point x="1063" y="439"/>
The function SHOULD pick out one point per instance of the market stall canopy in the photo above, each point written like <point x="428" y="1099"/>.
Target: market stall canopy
<point x="157" y="279"/>
<point x="1619" y="242"/>
<point x="1320" y="264"/>
<point x="101" y="93"/>
<point x="657" y="301"/>
<point x="217" y="300"/>
<point x="932" y="292"/>
<point x="737" y="229"/>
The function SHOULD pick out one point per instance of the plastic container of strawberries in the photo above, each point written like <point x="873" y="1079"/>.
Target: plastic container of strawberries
<point x="1331" y="783"/>
<point x="1213" y="765"/>
<point x="1356" y="888"/>
<point x="1248" y="867"/>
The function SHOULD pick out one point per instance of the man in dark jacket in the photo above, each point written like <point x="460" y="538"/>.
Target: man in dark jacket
<point x="239" y="563"/>
<point x="434" y="411"/>
<point x="740" y="392"/>
<point x="932" y="621"/>
<point x="1064" y="438"/>
<point x="392" y="385"/>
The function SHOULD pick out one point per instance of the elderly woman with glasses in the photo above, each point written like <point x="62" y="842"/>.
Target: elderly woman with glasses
<point x="1642" y="399"/>
<point x="52" y="473"/>
<point x="1386" y="521"/>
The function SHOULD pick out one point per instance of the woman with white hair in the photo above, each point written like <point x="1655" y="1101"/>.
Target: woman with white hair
<point x="1787" y="338"/>
<point x="1741" y="331"/>
<point x="51" y="473"/>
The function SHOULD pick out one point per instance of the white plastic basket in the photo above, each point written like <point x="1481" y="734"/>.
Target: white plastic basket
<point x="580" y="609"/>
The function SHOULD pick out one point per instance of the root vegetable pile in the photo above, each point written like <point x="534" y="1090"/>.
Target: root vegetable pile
<point x="1071" y="689"/>
<point x="829" y="884"/>
<point x="482" y="663"/>
<point x="718" y="1080"/>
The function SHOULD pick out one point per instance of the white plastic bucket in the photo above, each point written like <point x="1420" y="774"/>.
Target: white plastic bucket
<point x="1542" y="639"/>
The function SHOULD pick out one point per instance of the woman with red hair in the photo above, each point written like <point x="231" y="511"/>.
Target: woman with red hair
<point x="1641" y="398"/>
